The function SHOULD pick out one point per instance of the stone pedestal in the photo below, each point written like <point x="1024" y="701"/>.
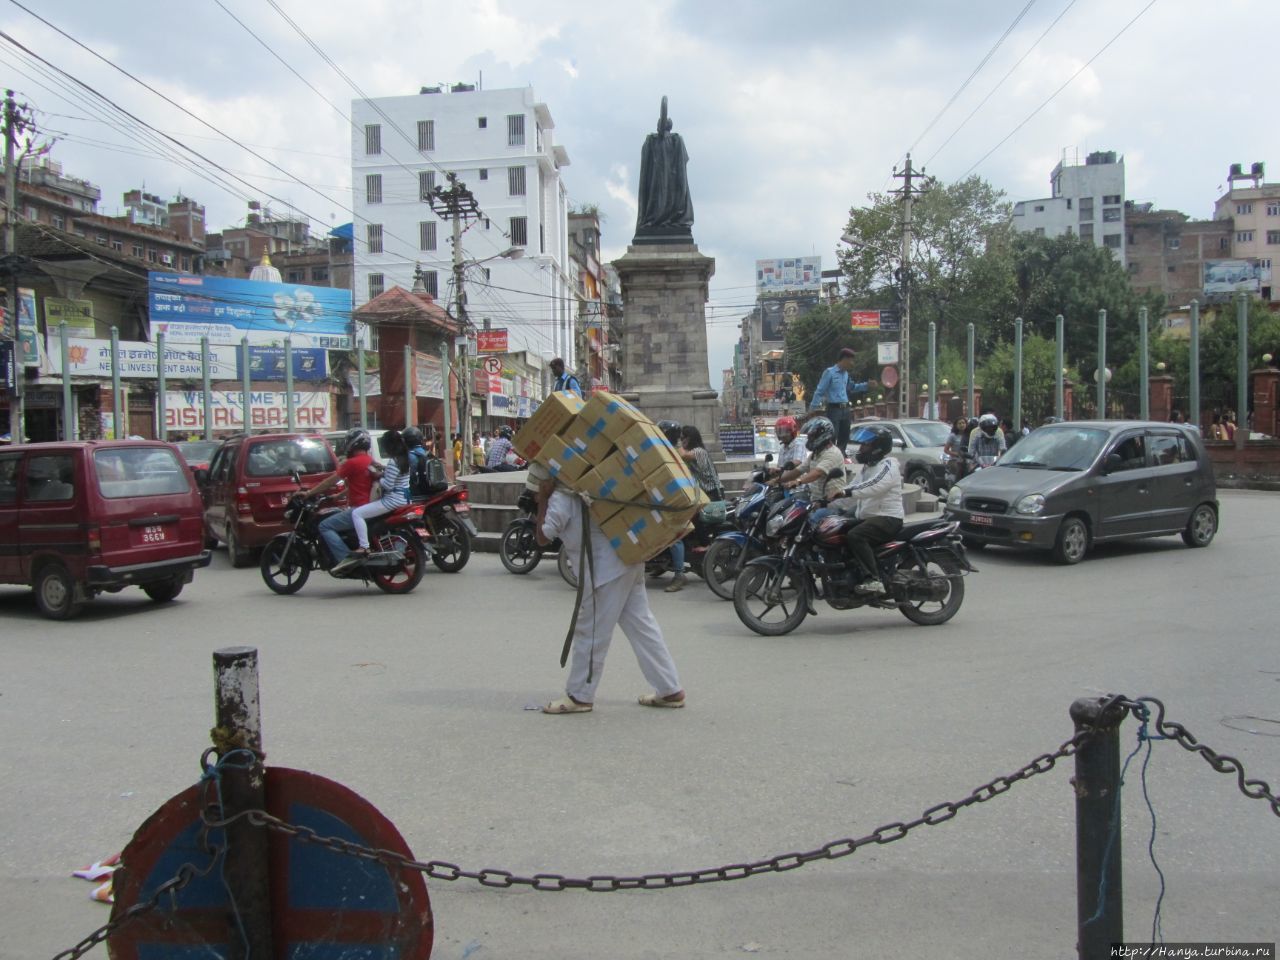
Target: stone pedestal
<point x="1266" y="401"/>
<point x="1160" y="397"/>
<point x="664" y="335"/>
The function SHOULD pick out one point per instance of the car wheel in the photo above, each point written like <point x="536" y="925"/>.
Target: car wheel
<point x="240" y="557"/>
<point x="1073" y="541"/>
<point x="1201" y="527"/>
<point x="56" y="592"/>
<point x="162" y="591"/>
<point x="922" y="479"/>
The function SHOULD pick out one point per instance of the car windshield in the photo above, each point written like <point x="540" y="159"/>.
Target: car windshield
<point x="198" y="451"/>
<point x="139" y="472"/>
<point x="1057" y="448"/>
<point x="926" y="434"/>
<point x="279" y="458"/>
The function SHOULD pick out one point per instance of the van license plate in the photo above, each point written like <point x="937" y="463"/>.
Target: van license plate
<point x="981" y="519"/>
<point x="153" y="535"/>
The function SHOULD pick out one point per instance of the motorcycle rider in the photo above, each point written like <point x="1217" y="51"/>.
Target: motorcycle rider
<point x="359" y="479"/>
<point x="394" y="480"/>
<point x="956" y="447"/>
<point x="987" y="440"/>
<point x="704" y="472"/>
<point x="824" y="456"/>
<point x="418" y="455"/>
<point x="671" y="430"/>
<point x="877" y="496"/>
<point x="498" y="450"/>
<point x="792" y="449"/>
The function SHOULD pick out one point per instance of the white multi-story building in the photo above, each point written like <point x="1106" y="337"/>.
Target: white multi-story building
<point x="1088" y="200"/>
<point x="499" y="143"/>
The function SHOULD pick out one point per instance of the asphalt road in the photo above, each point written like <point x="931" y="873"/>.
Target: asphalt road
<point x="858" y="719"/>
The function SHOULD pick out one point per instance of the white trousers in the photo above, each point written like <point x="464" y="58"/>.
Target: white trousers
<point x="622" y="602"/>
<point x="360" y="517"/>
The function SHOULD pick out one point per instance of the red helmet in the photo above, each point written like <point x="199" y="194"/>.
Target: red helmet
<point x="788" y="424"/>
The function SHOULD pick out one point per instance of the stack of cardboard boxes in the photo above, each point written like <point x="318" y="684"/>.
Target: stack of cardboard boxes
<point x="642" y="494"/>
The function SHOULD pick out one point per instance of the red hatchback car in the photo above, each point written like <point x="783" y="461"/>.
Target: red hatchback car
<point x="78" y="519"/>
<point x="248" y="483"/>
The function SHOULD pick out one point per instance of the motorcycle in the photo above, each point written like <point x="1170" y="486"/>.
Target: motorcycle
<point x="730" y="551"/>
<point x="922" y="568"/>
<point x="696" y="546"/>
<point x="446" y="527"/>
<point x="396" y="562"/>
<point x="519" y="549"/>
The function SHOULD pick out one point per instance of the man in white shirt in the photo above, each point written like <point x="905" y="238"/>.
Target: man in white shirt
<point x="614" y="597"/>
<point x="876" y="498"/>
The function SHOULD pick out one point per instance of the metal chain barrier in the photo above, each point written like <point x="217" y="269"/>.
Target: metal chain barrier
<point x="186" y="873"/>
<point x="443" y="870"/>
<point x="1170" y="730"/>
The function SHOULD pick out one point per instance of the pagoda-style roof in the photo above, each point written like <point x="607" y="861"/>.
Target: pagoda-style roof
<point x="399" y="306"/>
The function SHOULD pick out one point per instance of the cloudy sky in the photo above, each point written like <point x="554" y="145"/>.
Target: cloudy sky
<point x="791" y="114"/>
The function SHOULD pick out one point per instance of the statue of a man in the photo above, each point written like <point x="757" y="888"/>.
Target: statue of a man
<point x="666" y="211"/>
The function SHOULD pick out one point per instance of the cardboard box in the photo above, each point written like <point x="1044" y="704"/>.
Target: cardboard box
<point x="646" y="449"/>
<point x="607" y="414"/>
<point x="636" y="534"/>
<point x="552" y="416"/>
<point x="563" y="461"/>
<point x="595" y="446"/>
<point x="612" y="484"/>
<point x="671" y="485"/>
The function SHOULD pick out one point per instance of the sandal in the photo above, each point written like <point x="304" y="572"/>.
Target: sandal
<point x="567" y="705"/>
<point x="653" y="700"/>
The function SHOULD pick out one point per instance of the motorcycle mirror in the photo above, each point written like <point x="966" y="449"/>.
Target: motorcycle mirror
<point x="768" y="458"/>
<point x="899" y="444"/>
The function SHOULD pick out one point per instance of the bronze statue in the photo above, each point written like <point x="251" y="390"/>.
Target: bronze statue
<point x="666" y="211"/>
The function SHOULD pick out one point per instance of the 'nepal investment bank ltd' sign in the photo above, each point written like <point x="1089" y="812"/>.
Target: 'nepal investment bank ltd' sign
<point x="184" y="410"/>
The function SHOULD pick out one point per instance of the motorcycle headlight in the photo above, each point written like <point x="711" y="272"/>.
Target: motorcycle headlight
<point x="775" y="524"/>
<point x="954" y="496"/>
<point x="1030" y="505"/>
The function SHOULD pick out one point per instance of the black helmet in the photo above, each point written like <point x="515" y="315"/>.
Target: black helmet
<point x="506" y="432"/>
<point x="820" y="432"/>
<point x="357" y="438"/>
<point x="874" y="444"/>
<point x="671" y="428"/>
<point x="412" y="437"/>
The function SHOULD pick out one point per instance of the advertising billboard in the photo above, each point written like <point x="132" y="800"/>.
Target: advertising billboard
<point x="184" y="410"/>
<point x="1222" y="278"/>
<point x="864" y="319"/>
<point x="793" y="275"/>
<point x="777" y="311"/>
<point x="186" y="307"/>
<point x="491" y="341"/>
<point x="87" y="357"/>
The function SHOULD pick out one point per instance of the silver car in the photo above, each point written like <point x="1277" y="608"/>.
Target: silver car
<point x="1067" y="486"/>
<point x="917" y="446"/>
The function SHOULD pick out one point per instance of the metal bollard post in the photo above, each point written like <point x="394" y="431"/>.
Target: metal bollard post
<point x="1097" y="788"/>
<point x="239" y="726"/>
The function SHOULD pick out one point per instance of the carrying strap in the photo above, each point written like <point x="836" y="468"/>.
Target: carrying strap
<point x="586" y="562"/>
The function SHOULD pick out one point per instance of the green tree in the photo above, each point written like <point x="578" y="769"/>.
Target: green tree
<point x="1039" y="363"/>
<point x="814" y="340"/>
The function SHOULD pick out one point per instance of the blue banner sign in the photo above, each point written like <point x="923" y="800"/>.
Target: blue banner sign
<point x="267" y="363"/>
<point x="224" y="309"/>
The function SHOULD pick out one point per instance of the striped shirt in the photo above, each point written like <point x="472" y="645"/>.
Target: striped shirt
<point x="395" y="485"/>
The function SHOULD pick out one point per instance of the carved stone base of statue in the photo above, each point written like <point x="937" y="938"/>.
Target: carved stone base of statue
<point x="664" y="339"/>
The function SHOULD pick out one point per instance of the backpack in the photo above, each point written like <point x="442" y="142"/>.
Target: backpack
<point x="426" y="475"/>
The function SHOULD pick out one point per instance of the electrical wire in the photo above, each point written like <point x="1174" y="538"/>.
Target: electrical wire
<point x="1064" y="86"/>
<point x="981" y="63"/>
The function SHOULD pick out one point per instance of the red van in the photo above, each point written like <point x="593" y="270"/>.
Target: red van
<point x="78" y="519"/>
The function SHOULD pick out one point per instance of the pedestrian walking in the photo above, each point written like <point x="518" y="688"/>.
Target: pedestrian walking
<point x="613" y="595"/>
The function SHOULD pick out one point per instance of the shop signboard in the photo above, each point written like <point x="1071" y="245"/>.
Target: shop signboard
<point x="428" y="375"/>
<point x="184" y="409"/>
<point x="77" y="314"/>
<point x="137" y="360"/>
<point x="492" y="341"/>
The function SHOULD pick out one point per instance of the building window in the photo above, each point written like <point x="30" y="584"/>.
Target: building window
<point x="1111" y="241"/>
<point x="373" y="235"/>
<point x="538" y="136"/>
<point x="431" y="281"/>
<point x="1039" y="231"/>
<point x="319" y="274"/>
<point x="295" y="276"/>
<point x="515" y="181"/>
<point x="373" y="188"/>
<point x="1265" y="263"/>
<point x="1172" y="268"/>
<point x="488" y="273"/>
<point x="542" y="238"/>
<point x="33" y="214"/>
<point x="426" y="185"/>
<point x="1039" y="208"/>
<point x="1111" y="215"/>
<point x="427" y="235"/>
<point x="117" y="246"/>
<point x="101" y="239"/>
<point x="372" y="138"/>
<point x="1070" y="230"/>
<point x="1273" y="209"/>
<point x="426" y="135"/>
<point x="519" y="230"/>
<point x="1244" y="208"/>
<point x="1173" y="243"/>
<point x="1273" y="237"/>
<point x="1111" y="198"/>
<point x="1086" y="232"/>
<point x="152" y="256"/>
<point x="186" y="264"/>
<point x="482" y="122"/>
<point x="1086" y="208"/>
<point x="1224" y="243"/>
<point x="1068" y="203"/>
<point x="1133" y="269"/>
<point x="484" y="173"/>
<point x="59" y="221"/>
<point x="1244" y="236"/>
<point x="376" y="284"/>
<point x="515" y="130"/>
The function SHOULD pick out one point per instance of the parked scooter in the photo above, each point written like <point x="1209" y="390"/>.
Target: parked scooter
<point x="922" y="568"/>
<point x="396" y="562"/>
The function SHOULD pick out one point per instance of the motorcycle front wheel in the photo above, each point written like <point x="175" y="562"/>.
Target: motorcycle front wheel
<point x="566" y="568"/>
<point x="408" y="574"/>
<point x="285" y="567"/>
<point x="931" y="613"/>
<point x="519" y="548"/>
<point x="770" y="600"/>
<point x="719" y="567"/>
<point x="452" y="545"/>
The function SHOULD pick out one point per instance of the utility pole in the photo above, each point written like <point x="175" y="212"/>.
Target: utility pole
<point x="908" y="192"/>
<point x="458" y="204"/>
<point x="17" y="428"/>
